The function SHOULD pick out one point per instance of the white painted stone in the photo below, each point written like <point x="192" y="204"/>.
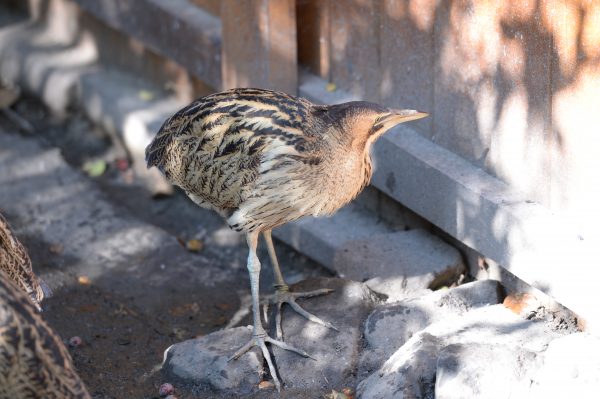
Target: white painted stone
<point x="203" y="362"/>
<point x="480" y="370"/>
<point x="411" y="370"/>
<point x="571" y="368"/>
<point x="406" y="318"/>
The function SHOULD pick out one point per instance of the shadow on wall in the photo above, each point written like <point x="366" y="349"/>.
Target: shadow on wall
<point x="511" y="85"/>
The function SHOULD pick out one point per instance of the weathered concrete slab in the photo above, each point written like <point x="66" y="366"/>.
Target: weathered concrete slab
<point x="204" y="362"/>
<point x="406" y="318"/>
<point x="401" y="263"/>
<point x="321" y="238"/>
<point x="411" y="370"/>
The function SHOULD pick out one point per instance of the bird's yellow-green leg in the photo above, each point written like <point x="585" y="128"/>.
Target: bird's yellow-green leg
<point x="259" y="335"/>
<point x="283" y="295"/>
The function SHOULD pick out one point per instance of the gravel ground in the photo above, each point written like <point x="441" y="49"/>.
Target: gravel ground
<point x="123" y="342"/>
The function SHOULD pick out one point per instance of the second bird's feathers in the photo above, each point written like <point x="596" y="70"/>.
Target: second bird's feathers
<point x="15" y="262"/>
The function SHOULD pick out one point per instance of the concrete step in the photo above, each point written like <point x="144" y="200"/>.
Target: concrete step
<point x="320" y="238"/>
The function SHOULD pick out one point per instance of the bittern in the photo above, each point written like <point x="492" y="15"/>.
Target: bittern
<point x="15" y="262"/>
<point x="262" y="158"/>
<point x="34" y="363"/>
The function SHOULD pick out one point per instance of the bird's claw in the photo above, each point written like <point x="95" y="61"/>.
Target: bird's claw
<point x="259" y="340"/>
<point x="283" y="295"/>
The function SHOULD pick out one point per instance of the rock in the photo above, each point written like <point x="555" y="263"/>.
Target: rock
<point x="336" y="352"/>
<point x="203" y="362"/>
<point x="411" y="370"/>
<point x="166" y="389"/>
<point x="400" y="263"/>
<point x="407" y="317"/>
<point x="465" y="371"/>
<point x="524" y="304"/>
<point x="409" y="373"/>
<point x="571" y="368"/>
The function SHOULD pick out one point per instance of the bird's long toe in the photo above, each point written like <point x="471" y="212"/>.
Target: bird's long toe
<point x="260" y="340"/>
<point x="283" y="295"/>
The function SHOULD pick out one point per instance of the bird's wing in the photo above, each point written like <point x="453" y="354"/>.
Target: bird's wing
<point x="15" y="261"/>
<point x="29" y="345"/>
<point x="216" y="147"/>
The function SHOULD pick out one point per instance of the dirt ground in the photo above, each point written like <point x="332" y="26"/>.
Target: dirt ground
<point x="123" y="342"/>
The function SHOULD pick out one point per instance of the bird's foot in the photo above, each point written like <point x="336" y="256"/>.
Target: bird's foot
<point x="283" y="295"/>
<point x="260" y="339"/>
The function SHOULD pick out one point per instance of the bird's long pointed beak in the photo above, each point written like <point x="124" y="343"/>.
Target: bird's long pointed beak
<point x="404" y="115"/>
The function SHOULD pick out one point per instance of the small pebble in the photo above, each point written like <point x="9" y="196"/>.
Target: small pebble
<point x="523" y="304"/>
<point x="57" y="248"/>
<point x="194" y="245"/>
<point x="84" y="280"/>
<point x="75" y="341"/>
<point x="122" y="164"/>
<point x="266" y="385"/>
<point x="166" y="389"/>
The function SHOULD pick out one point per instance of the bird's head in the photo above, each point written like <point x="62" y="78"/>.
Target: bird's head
<point x="363" y="122"/>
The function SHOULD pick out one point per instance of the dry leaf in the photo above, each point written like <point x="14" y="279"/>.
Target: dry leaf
<point x="181" y="333"/>
<point x="95" y="168"/>
<point x="84" y="280"/>
<point x="223" y="306"/>
<point x="145" y="95"/>
<point x="265" y="385"/>
<point x="185" y="309"/>
<point x="89" y="308"/>
<point x="124" y="311"/>
<point x="194" y="245"/>
<point x="57" y="248"/>
<point x="522" y="303"/>
<point x="9" y="95"/>
<point x="337" y="395"/>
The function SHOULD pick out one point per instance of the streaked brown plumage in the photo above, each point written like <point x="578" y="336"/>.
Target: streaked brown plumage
<point x="261" y="159"/>
<point x="34" y="363"/>
<point x="15" y="262"/>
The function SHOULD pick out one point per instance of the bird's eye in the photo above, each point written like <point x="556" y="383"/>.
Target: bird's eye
<point x="381" y="118"/>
